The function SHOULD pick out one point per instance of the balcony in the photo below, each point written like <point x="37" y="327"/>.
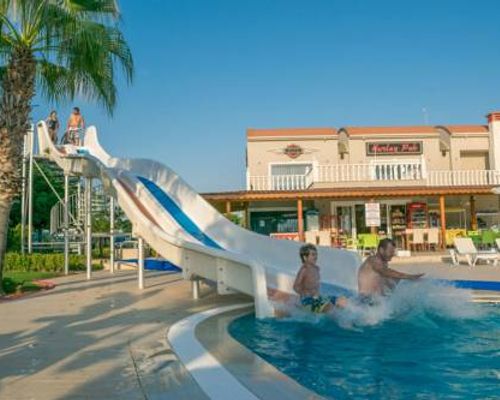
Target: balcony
<point x="386" y="173"/>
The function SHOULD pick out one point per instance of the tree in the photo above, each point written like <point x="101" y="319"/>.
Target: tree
<point x="63" y="48"/>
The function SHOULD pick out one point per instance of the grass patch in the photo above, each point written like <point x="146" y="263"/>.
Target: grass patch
<point x="21" y="281"/>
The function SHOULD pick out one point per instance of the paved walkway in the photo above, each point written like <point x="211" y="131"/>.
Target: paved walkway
<point x="103" y="339"/>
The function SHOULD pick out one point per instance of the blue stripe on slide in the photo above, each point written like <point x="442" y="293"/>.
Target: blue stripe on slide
<point x="477" y="285"/>
<point x="180" y="217"/>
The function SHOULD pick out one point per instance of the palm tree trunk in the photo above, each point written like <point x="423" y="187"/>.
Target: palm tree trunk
<point x="15" y="107"/>
<point x="5" y="206"/>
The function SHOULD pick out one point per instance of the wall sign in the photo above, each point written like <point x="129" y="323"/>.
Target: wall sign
<point x="293" y="151"/>
<point x="393" y="148"/>
<point x="372" y="214"/>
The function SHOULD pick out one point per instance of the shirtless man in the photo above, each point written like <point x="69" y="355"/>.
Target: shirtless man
<point x="76" y="124"/>
<point x="375" y="277"/>
<point x="307" y="284"/>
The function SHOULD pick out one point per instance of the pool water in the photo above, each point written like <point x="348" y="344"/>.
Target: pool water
<point x="426" y="342"/>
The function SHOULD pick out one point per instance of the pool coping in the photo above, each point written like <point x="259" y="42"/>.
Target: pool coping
<point x="224" y="368"/>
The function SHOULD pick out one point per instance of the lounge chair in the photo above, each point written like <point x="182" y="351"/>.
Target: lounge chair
<point x="497" y="242"/>
<point x="465" y="247"/>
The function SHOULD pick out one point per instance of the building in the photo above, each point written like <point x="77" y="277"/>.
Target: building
<point x="356" y="180"/>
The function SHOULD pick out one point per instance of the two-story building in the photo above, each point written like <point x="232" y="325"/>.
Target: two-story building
<point x="410" y="176"/>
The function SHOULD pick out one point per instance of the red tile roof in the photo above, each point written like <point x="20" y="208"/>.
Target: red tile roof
<point x="291" y="132"/>
<point x="467" y="128"/>
<point x="381" y="130"/>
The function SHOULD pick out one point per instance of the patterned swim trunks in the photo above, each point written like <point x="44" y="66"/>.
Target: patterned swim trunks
<point x="317" y="304"/>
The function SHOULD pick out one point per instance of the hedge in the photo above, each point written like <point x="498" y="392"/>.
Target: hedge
<point x="53" y="262"/>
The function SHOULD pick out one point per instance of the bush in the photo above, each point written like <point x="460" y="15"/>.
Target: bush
<point x="53" y="262"/>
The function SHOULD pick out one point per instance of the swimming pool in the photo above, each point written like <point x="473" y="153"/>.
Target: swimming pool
<point x="427" y="342"/>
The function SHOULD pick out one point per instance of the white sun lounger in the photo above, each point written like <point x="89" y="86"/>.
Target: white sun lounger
<point x="465" y="247"/>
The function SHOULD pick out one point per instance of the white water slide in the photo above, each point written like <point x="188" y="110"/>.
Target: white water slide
<point x="187" y="231"/>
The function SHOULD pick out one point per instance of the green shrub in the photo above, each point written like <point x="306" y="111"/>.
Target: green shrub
<point x="52" y="262"/>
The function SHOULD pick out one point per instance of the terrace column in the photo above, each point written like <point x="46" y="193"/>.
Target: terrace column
<point x="300" y="220"/>
<point x="247" y="216"/>
<point x="228" y="208"/>
<point x="442" y="214"/>
<point x="473" y="217"/>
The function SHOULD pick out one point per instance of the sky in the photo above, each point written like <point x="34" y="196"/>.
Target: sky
<point x="207" y="70"/>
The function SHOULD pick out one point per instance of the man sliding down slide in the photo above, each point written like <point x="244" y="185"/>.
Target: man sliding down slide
<point x="375" y="278"/>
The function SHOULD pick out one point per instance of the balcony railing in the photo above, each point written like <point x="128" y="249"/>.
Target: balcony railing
<point x="280" y="182"/>
<point x="388" y="173"/>
<point x="464" y="178"/>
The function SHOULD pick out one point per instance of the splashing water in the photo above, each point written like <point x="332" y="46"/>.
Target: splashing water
<point x="412" y="301"/>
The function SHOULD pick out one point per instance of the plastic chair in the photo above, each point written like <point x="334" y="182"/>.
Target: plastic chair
<point x="311" y="237"/>
<point x="465" y="247"/>
<point x="488" y="238"/>
<point x="418" y="239"/>
<point x="433" y="238"/>
<point x="368" y="241"/>
<point x="325" y="238"/>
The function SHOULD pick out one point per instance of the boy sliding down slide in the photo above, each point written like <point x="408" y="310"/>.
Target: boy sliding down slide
<point x="307" y="284"/>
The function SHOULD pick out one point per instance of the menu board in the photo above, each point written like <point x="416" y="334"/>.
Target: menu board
<point x="372" y="214"/>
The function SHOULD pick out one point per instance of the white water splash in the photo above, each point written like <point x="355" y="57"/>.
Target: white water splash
<point x="412" y="301"/>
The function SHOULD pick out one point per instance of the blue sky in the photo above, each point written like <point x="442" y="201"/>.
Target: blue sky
<point x="208" y="70"/>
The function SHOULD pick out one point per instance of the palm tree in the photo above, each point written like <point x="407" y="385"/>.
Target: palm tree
<point x="64" y="49"/>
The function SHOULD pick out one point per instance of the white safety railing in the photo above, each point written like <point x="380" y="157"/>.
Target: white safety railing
<point x="464" y="178"/>
<point x="413" y="172"/>
<point x="281" y="182"/>
<point x="387" y="170"/>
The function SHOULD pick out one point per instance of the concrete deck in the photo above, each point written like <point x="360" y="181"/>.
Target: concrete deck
<point x="99" y="339"/>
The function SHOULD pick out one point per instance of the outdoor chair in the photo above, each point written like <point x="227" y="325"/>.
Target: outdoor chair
<point x="497" y="242"/>
<point x="488" y="238"/>
<point x="417" y="239"/>
<point x="325" y="238"/>
<point x="465" y="247"/>
<point x="367" y="241"/>
<point x="433" y="238"/>
<point x="311" y="237"/>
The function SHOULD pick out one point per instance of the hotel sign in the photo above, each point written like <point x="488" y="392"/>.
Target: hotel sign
<point x="393" y="148"/>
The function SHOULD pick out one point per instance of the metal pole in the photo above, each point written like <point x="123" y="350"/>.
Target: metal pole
<point x="30" y="198"/>
<point x="23" y="196"/>
<point x="195" y="284"/>
<point x="81" y="204"/>
<point x="112" y="235"/>
<point x="66" y="224"/>
<point x="88" y="225"/>
<point x="140" y="263"/>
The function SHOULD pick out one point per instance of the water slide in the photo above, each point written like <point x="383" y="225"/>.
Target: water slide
<point x="187" y="231"/>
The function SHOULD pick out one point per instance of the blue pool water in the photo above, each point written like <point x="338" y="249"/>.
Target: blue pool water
<point x="426" y="342"/>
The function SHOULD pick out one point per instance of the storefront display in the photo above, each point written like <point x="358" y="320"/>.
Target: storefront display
<point x="417" y="216"/>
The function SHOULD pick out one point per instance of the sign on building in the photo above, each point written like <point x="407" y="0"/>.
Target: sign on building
<point x="393" y="148"/>
<point x="372" y="214"/>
